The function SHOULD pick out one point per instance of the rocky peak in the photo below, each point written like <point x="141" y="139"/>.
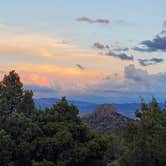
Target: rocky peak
<point x="105" y="119"/>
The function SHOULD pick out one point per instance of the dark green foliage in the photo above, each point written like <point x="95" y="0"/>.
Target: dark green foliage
<point x="6" y="146"/>
<point x="27" y="104"/>
<point x="144" y="141"/>
<point x="13" y="97"/>
<point x="11" y="92"/>
<point x="43" y="163"/>
<point x="51" y="137"/>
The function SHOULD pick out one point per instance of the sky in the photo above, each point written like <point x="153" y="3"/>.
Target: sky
<point x="99" y="51"/>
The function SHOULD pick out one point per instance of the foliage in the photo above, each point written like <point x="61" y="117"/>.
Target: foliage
<point x="144" y="141"/>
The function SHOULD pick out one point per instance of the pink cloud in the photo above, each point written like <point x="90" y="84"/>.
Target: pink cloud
<point x="98" y="45"/>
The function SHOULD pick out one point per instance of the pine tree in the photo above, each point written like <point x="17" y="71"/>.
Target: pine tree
<point x="11" y="93"/>
<point x="13" y="97"/>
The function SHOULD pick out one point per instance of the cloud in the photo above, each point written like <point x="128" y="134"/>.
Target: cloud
<point x="122" y="56"/>
<point x="116" y="47"/>
<point x="89" y="20"/>
<point x="141" y="81"/>
<point x="99" y="45"/>
<point x="80" y="67"/>
<point x="84" y="19"/>
<point x="65" y="79"/>
<point x="121" y="49"/>
<point x="108" y="52"/>
<point x="163" y="32"/>
<point x="156" y="44"/>
<point x="57" y="81"/>
<point x="152" y="61"/>
<point x="36" y="45"/>
<point x="136" y="82"/>
<point x="102" y="21"/>
<point x="164" y="24"/>
<point x="41" y="89"/>
<point x="131" y="73"/>
<point x="35" y="78"/>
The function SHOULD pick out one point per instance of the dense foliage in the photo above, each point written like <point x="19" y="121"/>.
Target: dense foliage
<point x="142" y="142"/>
<point x="55" y="136"/>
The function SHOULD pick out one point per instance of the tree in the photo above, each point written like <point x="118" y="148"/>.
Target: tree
<point x="13" y="97"/>
<point x="11" y="93"/>
<point x="27" y="104"/>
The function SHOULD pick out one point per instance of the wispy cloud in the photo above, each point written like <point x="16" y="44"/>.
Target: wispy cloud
<point x="36" y="45"/>
<point x="152" y="61"/>
<point x="89" y="20"/>
<point x="107" y="51"/>
<point x="121" y="49"/>
<point x="99" y="45"/>
<point x="122" y="56"/>
<point x="80" y="67"/>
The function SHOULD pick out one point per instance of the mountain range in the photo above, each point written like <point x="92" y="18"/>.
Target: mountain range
<point x="126" y="109"/>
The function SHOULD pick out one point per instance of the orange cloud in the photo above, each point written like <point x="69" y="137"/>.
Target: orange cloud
<point x="34" y="79"/>
<point x="36" y="45"/>
<point x="65" y="78"/>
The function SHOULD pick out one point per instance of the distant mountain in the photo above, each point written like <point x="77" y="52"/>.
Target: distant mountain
<point x="126" y="109"/>
<point x="105" y="119"/>
<point x="84" y="107"/>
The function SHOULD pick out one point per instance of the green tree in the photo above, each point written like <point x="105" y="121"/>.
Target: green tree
<point x="11" y="93"/>
<point x="13" y="97"/>
<point x="27" y="104"/>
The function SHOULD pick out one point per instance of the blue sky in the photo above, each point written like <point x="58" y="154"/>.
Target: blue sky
<point x="65" y="46"/>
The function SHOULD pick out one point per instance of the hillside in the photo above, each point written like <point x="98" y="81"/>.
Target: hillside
<point x="105" y="119"/>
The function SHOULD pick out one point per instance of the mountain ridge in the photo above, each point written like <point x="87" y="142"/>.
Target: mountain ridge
<point x="85" y="107"/>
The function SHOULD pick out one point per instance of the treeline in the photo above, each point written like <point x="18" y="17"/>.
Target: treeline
<point x="57" y="137"/>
